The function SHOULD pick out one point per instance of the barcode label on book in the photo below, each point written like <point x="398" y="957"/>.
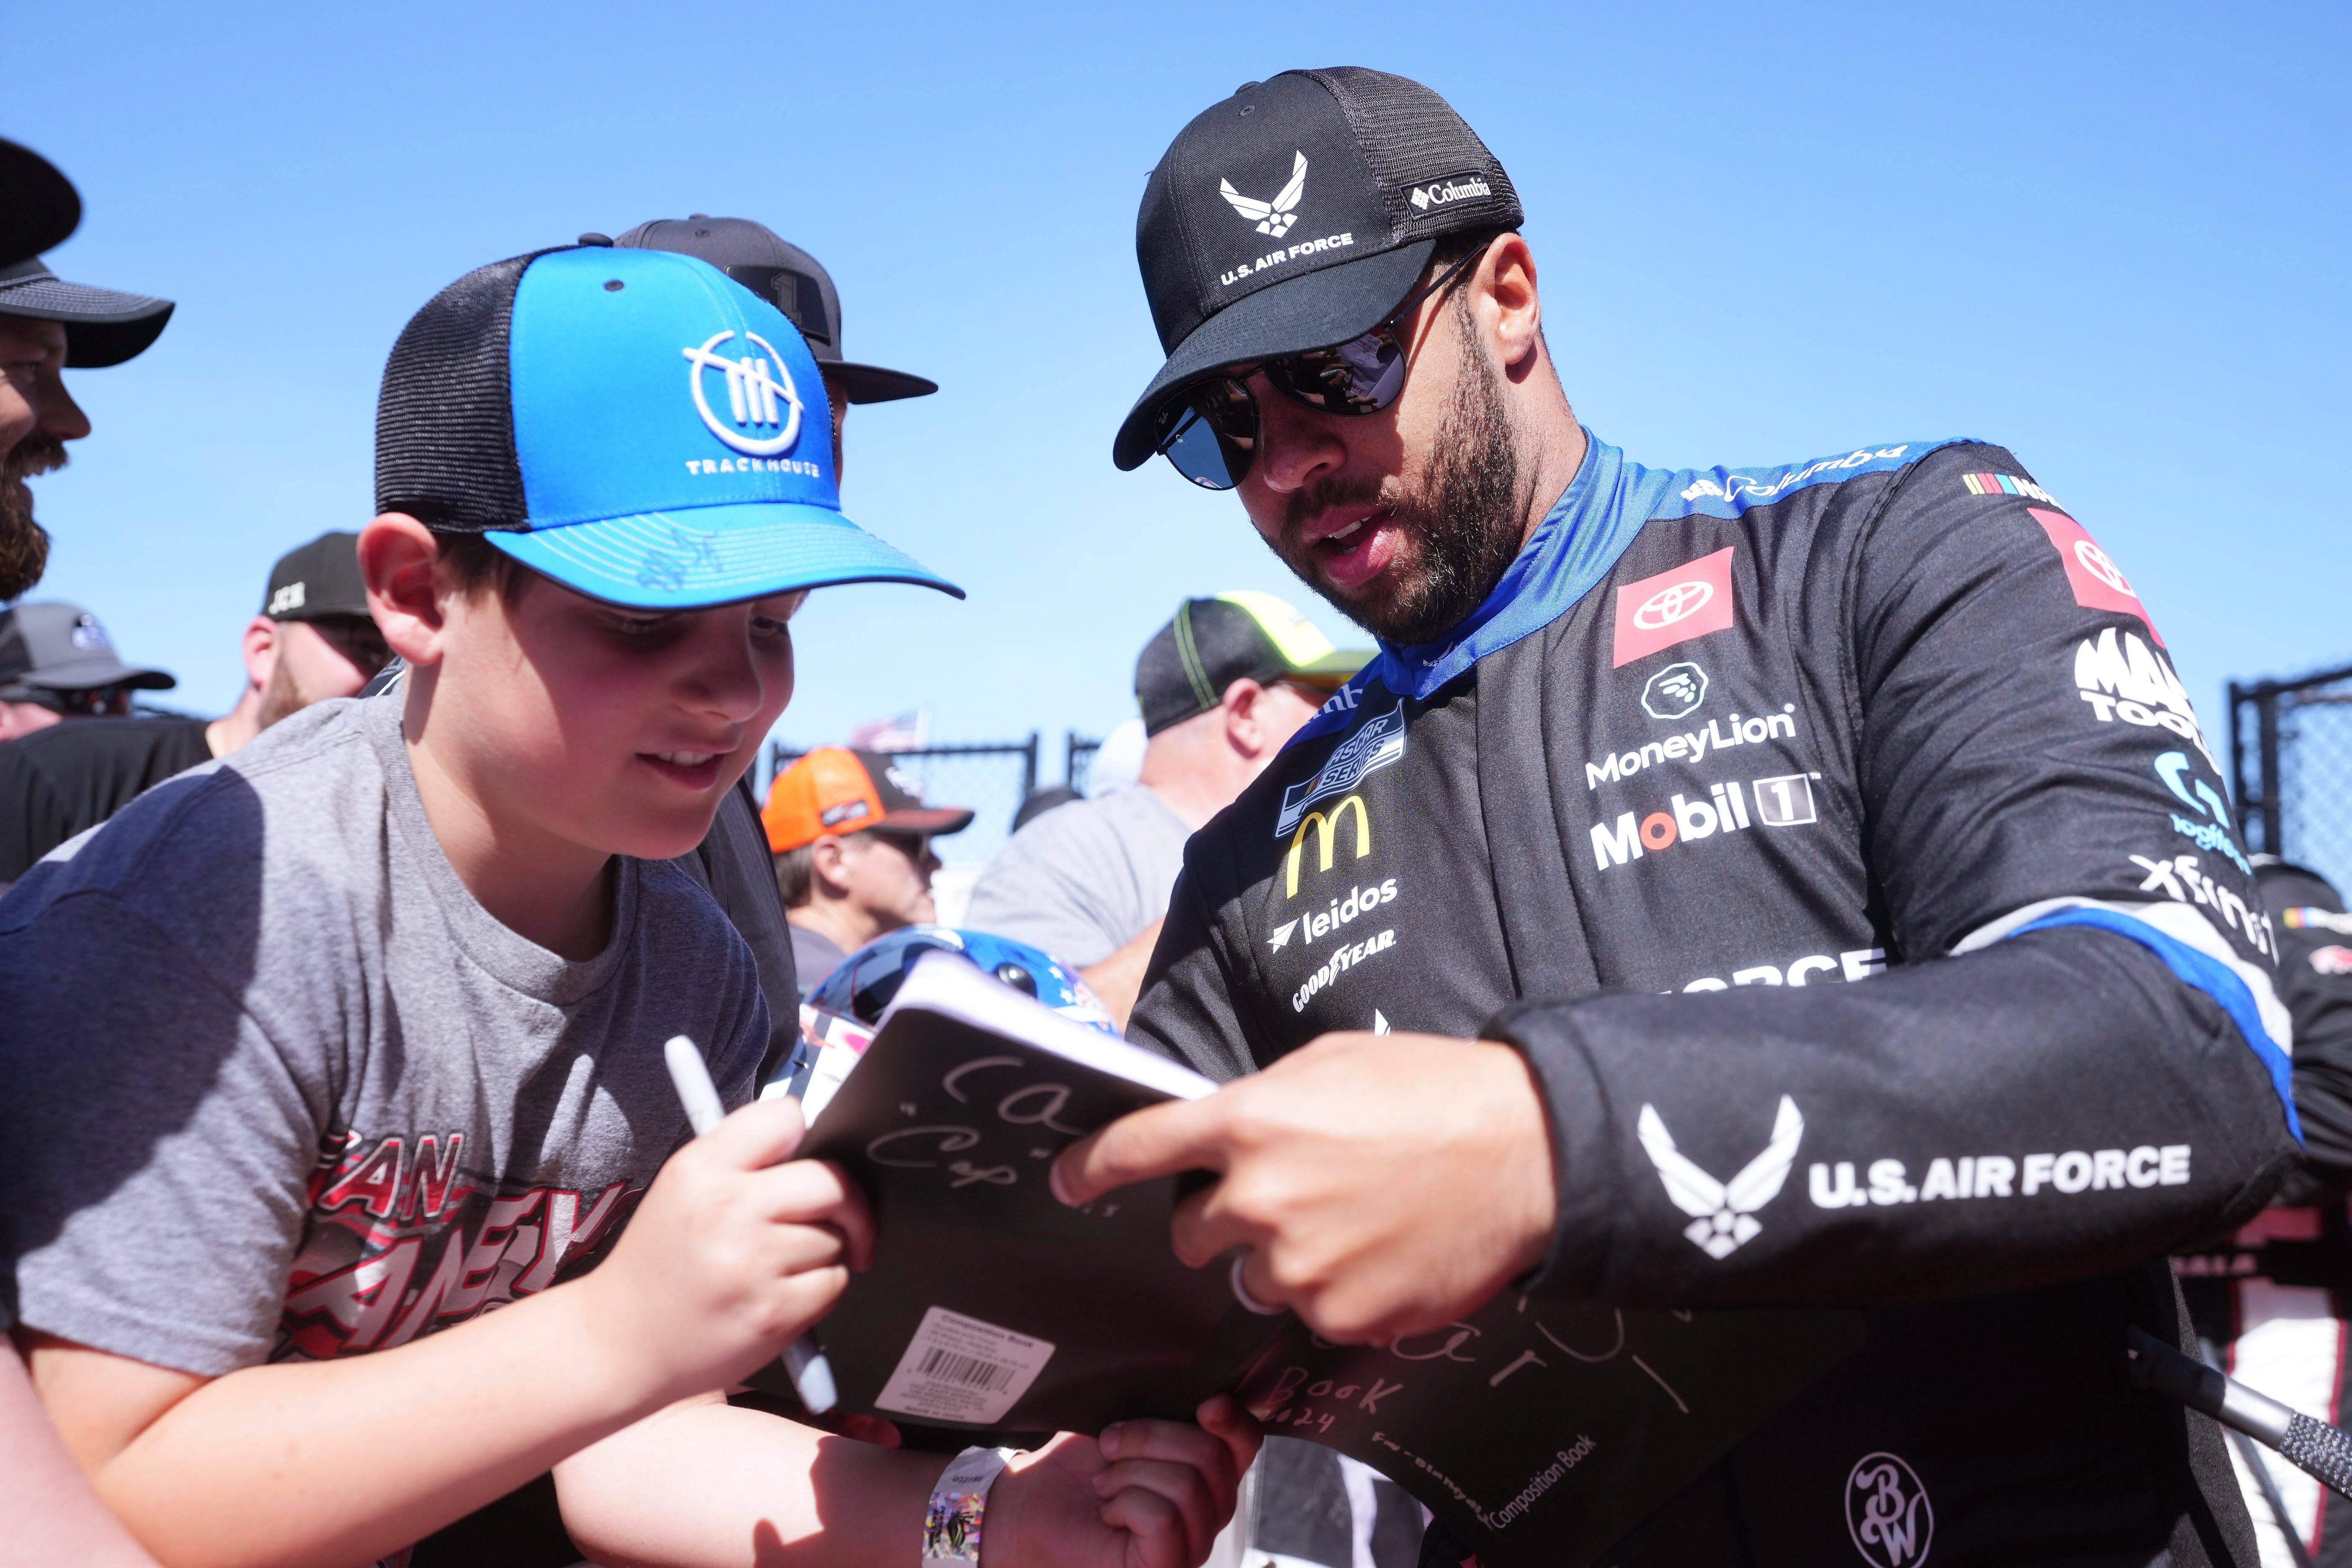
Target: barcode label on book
<point x="961" y="1369"/>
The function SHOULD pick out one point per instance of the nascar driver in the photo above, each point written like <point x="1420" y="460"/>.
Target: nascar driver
<point x="1841" y="825"/>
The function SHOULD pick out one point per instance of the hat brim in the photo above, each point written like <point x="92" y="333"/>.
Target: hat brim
<point x="931" y="819"/>
<point x="1312" y="310"/>
<point x="1333" y="668"/>
<point x="872" y="383"/>
<point x="89" y="674"/>
<point x="103" y="326"/>
<point x="694" y="558"/>
<point x="38" y="206"/>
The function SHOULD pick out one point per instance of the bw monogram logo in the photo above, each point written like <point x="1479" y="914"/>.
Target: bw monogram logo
<point x="1887" y="1513"/>
<point x="755" y="398"/>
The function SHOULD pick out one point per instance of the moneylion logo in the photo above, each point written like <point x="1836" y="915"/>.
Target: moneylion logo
<point x="1725" y="1212"/>
<point x="755" y="398"/>
<point x="1274" y="217"/>
<point x="1326" y="834"/>
<point x="1678" y="600"/>
<point x="1378" y="743"/>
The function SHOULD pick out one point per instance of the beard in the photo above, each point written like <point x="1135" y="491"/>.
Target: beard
<point x="24" y="543"/>
<point x="1461" y="524"/>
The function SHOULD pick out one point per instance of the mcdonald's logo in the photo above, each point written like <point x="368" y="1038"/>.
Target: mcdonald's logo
<point x="1326" y="834"/>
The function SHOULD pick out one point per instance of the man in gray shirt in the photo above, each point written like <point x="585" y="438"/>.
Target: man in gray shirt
<point x="1222" y="686"/>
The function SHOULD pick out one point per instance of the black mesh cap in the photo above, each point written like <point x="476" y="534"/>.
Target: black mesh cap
<point x="1297" y="215"/>
<point x="444" y="447"/>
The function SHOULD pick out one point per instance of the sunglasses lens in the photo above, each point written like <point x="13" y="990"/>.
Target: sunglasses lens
<point x="1214" y="436"/>
<point x="1362" y="375"/>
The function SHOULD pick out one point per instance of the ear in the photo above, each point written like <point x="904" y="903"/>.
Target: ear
<point x="399" y="557"/>
<point x="825" y="867"/>
<point x="261" y="650"/>
<point x="1504" y="303"/>
<point x="1242" y="708"/>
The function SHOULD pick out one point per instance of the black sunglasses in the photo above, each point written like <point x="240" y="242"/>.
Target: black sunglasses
<point x="1209" y="434"/>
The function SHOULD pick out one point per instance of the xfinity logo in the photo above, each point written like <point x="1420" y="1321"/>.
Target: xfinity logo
<point x="1446" y="192"/>
<point x="1274" y="217"/>
<point x="2179" y="879"/>
<point x="756" y="399"/>
<point x="1725" y="1210"/>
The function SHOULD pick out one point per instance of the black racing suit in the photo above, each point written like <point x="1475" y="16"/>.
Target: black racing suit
<point x="1721" y="745"/>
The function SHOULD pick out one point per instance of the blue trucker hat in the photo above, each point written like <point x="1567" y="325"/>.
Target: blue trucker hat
<point x="630" y="423"/>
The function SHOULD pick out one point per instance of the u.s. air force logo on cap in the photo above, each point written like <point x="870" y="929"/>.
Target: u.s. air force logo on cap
<point x="1378" y="743"/>
<point x="761" y="395"/>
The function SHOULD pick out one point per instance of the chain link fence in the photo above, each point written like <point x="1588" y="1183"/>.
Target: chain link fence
<point x="2291" y="769"/>
<point x="992" y="777"/>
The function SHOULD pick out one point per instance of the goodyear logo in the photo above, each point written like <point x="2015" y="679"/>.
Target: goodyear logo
<point x="1325" y="833"/>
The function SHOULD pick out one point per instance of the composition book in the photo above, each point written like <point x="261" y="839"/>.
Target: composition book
<point x="1539" y="1432"/>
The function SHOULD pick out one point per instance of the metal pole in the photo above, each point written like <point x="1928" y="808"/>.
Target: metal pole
<point x="2238" y="697"/>
<point x="1029" y="767"/>
<point x="2273" y="835"/>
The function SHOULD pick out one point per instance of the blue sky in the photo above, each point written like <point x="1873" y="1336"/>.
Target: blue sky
<point x="2110" y="238"/>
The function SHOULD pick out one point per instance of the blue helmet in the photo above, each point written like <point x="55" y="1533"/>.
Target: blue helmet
<point x="862" y="984"/>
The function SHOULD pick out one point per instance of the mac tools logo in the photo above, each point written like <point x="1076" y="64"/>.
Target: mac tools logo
<point x="756" y="399"/>
<point x="1274" y="217"/>
<point x="1372" y="748"/>
<point x="1725" y="1210"/>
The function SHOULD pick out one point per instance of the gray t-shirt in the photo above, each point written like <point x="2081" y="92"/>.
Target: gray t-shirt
<point x="1083" y="880"/>
<point x="278" y="1088"/>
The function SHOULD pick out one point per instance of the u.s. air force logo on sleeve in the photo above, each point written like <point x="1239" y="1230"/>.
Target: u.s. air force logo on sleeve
<point x="1376" y="744"/>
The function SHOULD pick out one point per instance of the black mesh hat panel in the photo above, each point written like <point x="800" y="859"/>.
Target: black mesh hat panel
<point x="1414" y="142"/>
<point x="445" y="448"/>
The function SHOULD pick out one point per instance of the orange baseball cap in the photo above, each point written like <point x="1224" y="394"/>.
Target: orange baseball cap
<point x="836" y="790"/>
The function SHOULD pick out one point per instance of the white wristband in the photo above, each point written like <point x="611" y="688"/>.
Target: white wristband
<point x="951" y="1525"/>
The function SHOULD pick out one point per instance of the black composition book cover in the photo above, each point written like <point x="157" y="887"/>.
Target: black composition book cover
<point x="1539" y="1432"/>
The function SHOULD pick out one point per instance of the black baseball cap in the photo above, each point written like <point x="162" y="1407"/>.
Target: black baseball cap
<point x="1297" y="215"/>
<point x="316" y="580"/>
<point x="103" y="326"/>
<point x="52" y="646"/>
<point x="1211" y="643"/>
<point x="789" y="279"/>
<point x="38" y="206"/>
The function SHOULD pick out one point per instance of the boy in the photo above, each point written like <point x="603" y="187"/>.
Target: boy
<point x="318" y="1055"/>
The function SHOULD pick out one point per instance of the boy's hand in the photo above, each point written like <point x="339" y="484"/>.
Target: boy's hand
<point x="1146" y="1494"/>
<point x="730" y="1254"/>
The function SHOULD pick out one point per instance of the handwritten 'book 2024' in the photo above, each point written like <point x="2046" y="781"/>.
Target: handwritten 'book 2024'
<point x="1539" y="1432"/>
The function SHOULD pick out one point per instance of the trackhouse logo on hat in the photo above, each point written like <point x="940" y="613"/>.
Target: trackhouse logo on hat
<point x="1274" y="217"/>
<point x="755" y="398"/>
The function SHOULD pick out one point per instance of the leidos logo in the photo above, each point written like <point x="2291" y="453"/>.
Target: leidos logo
<point x="1274" y="217"/>
<point x="755" y="398"/>
<point x="1326" y="832"/>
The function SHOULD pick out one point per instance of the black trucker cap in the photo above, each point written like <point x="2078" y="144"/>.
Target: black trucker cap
<point x="1297" y="215"/>
<point x="52" y="646"/>
<point x="320" y="578"/>
<point x="38" y="206"/>
<point x="1211" y="643"/>
<point x="786" y="276"/>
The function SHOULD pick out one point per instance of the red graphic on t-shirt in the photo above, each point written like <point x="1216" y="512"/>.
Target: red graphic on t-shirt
<point x="2098" y="585"/>
<point x="398" y="1243"/>
<point x="1686" y="602"/>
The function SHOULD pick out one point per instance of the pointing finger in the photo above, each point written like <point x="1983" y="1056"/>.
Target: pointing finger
<point x="1181" y="1135"/>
